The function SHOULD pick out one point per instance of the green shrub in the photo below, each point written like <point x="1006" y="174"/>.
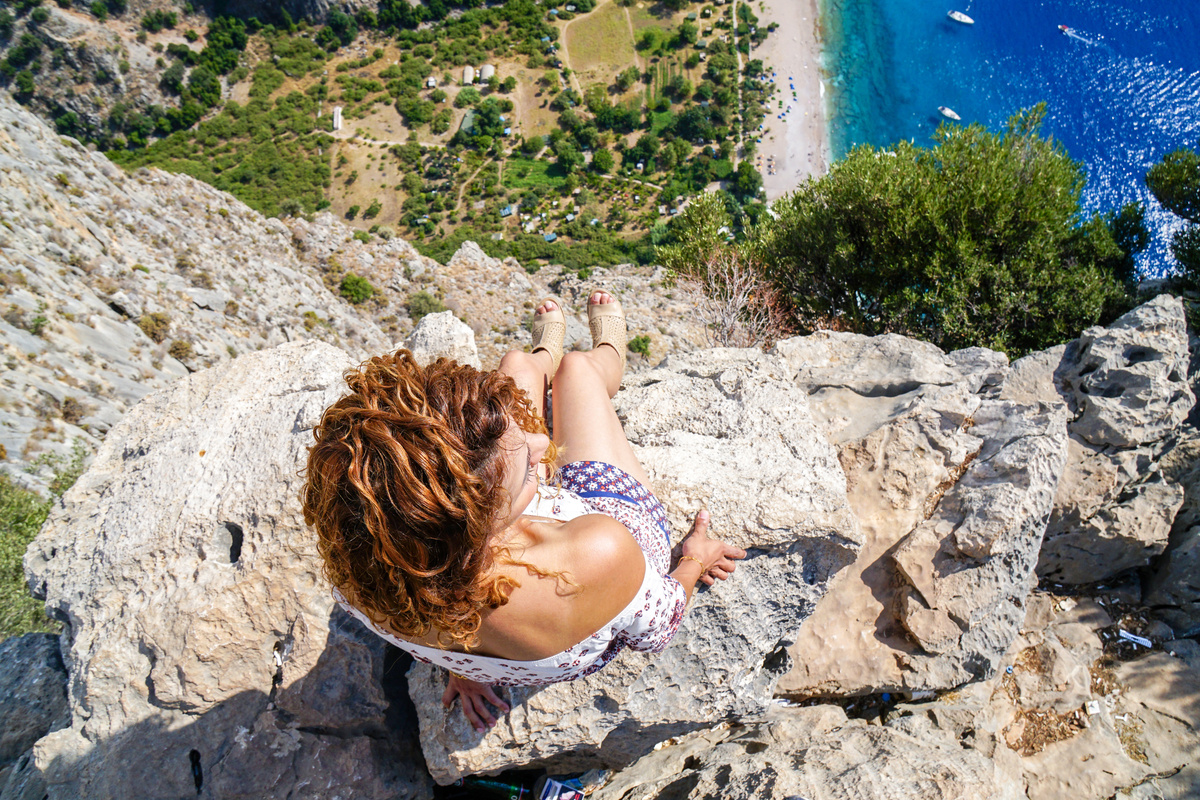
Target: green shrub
<point x="979" y="240"/>
<point x="181" y="350"/>
<point x="362" y="236"/>
<point x="155" y="326"/>
<point x="356" y="289"/>
<point x="22" y="513"/>
<point x="640" y="344"/>
<point x="421" y="304"/>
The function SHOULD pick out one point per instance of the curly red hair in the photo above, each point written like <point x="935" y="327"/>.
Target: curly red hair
<point x="405" y="488"/>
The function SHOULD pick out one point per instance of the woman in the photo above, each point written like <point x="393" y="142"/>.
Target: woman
<point x="437" y="530"/>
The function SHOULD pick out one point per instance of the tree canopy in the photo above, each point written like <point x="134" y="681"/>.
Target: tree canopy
<point x="1175" y="182"/>
<point x="978" y="240"/>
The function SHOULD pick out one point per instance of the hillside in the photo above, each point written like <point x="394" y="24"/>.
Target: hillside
<point x="592" y="124"/>
<point x="116" y="284"/>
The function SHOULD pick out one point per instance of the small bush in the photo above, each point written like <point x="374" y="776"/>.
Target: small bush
<point x="181" y="350"/>
<point x="155" y="326"/>
<point x="22" y="513"/>
<point x="640" y="344"/>
<point x="356" y="289"/>
<point x="421" y="304"/>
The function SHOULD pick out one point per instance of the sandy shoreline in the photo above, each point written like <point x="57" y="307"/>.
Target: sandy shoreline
<point x="798" y="144"/>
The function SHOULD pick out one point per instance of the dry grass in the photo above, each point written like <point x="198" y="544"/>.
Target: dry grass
<point x="600" y="45"/>
<point x="1031" y="731"/>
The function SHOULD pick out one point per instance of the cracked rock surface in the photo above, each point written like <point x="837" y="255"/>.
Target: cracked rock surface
<point x="204" y="654"/>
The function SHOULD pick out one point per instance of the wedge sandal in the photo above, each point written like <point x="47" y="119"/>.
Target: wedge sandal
<point x="549" y="330"/>
<point x="607" y="323"/>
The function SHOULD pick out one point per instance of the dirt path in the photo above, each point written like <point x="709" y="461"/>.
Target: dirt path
<point x="566" y="49"/>
<point x="463" y="187"/>
<point x="637" y="60"/>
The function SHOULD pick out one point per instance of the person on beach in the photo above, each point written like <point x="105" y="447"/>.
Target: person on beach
<point x="453" y="526"/>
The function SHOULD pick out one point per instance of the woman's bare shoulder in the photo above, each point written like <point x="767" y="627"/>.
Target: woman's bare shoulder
<point x="605" y="557"/>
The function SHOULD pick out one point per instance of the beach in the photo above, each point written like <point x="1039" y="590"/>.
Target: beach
<point x="797" y="146"/>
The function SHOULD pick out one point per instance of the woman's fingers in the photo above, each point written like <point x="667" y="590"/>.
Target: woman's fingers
<point x="468" y="707"/>
<point x="490" y="695"/>
<point x="449" y="695"/>
<point x="700" y="525"/>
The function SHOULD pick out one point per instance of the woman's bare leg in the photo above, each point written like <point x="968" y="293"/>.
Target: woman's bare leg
<point x="585" y="423"/>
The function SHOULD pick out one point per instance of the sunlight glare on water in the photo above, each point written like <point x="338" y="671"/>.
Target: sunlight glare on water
<point x="1122" y="89"/>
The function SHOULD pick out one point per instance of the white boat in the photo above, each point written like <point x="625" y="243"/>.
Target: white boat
<point x="949" y="113"/>
<point x="959" y="16"/>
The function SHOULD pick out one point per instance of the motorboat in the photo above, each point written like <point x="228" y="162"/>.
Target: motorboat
<point x="949" y="113"/>
<point x="959" y="16"/>
<point x="1064" y="29"/>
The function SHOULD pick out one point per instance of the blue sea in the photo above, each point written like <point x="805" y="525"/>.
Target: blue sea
<point x="1122" y="89"/>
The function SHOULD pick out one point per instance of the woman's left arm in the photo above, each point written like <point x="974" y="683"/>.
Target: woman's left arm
<point x="473" y="696"/>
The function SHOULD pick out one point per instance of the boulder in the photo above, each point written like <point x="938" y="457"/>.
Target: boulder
<point x="1172" y="589"/>
<point x="723" y="430"/>
<point x="205" y="654"/>
<point x="443" y="335"/>
<point x="1128" y="382"/>
<point x="814" y="752"/>
<point x="951" y="484"/>
<point x="1128" y="391"/>
<point x="33" y="695"/>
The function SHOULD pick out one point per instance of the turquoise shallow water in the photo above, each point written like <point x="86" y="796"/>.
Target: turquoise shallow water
<point x="1121" y="91"/>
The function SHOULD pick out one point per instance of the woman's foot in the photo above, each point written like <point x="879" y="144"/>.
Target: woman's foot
<point x="607" y="322"/>
<point x="549" y="330"/>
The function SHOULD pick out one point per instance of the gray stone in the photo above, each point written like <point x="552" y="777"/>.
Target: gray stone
<point x="951" y="485"/>
<point x="33" y="693"/>
<point x="1127" y="387"/>
<point x="443" y="335"/>
<point x="814" y="753"/>
<point x="203" y="645"/>
<point x="1172" y="589"/>
<point x="719" y="429"/>
<point x="1128" y="382"/>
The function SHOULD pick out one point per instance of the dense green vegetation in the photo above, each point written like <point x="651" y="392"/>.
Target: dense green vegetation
<point x="265" y="152"/>
<point x="1175" y="182"/>
<point x="978" y="240"/>
<point x="22" y="513"/>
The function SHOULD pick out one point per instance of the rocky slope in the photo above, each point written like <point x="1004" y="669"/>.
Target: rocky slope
<point x="899" y="503"/>
<point x="201" y="643"/>
<point x="116" y="284"/>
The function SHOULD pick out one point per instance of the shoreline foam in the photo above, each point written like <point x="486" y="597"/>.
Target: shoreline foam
<point x="799" y="143"/>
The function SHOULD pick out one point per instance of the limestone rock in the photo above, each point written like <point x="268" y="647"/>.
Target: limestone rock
<point x="1033" y="722"/>
<point x="443" y="335"/>
<point x="1127" y="385"/>
<point x="33" y="695"/>
<point x="117" y="284"/>
<point x="1172" y="588"/>
<point x="725" y="430"/>
<point x="952" y="485"/>
<point x="1128" y="382"/>
<point x="205" y="655"/>
<point x="813" y="752"/>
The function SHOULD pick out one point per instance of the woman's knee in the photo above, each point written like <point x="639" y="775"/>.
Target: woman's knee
<point x="578" y="366"/>
<point x="517" y="363"/>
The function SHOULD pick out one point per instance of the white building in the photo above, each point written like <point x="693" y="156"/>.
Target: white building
<point x="337" y="118"/>
<point x="468" y="75"/>
<point x="487" y="72"/>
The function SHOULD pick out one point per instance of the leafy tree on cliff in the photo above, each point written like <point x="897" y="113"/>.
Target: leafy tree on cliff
<point x="978" y="240"/>
<point x="1175" y="181"/>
